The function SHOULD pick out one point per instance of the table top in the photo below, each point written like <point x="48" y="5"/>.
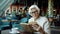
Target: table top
<point x="5" y="20"/>
<point x="56" y="28"/>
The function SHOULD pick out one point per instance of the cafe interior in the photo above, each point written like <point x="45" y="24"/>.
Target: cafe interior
<point x="14" y="12"/>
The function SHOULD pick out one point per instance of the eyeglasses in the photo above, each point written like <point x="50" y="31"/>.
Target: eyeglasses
<point x="34" y="12"/>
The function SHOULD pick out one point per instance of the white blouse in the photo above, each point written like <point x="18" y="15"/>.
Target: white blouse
<point x="43" y="22"/>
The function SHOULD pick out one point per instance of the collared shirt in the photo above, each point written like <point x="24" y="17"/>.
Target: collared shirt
<point x="43" y="22"/>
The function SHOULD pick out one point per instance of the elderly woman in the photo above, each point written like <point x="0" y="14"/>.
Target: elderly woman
<point x="38" y="23"/>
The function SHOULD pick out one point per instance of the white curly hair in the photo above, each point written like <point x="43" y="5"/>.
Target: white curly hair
<point x="33" y="6"/>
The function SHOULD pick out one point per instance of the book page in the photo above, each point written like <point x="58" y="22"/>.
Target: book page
<point x="27" y="28"/>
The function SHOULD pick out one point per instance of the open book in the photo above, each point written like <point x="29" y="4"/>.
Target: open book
<point x="27" y="28"/>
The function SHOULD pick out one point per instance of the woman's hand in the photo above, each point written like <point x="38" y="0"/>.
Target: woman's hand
<point x="38" y="28"/>
<point x="34" y="25"/>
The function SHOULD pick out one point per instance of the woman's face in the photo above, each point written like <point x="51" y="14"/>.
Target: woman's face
<point x="35" y="13"/>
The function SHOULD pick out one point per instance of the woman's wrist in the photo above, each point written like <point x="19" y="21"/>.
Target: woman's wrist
<point x="42" y="31"/>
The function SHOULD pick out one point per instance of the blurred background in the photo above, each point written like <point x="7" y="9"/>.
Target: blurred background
<point x="13" y="12"/>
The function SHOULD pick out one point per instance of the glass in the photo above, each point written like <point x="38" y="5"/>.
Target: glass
<point x="34" y="12"/>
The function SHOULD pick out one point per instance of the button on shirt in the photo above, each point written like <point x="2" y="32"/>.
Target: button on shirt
<point x="43" y="22"/>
